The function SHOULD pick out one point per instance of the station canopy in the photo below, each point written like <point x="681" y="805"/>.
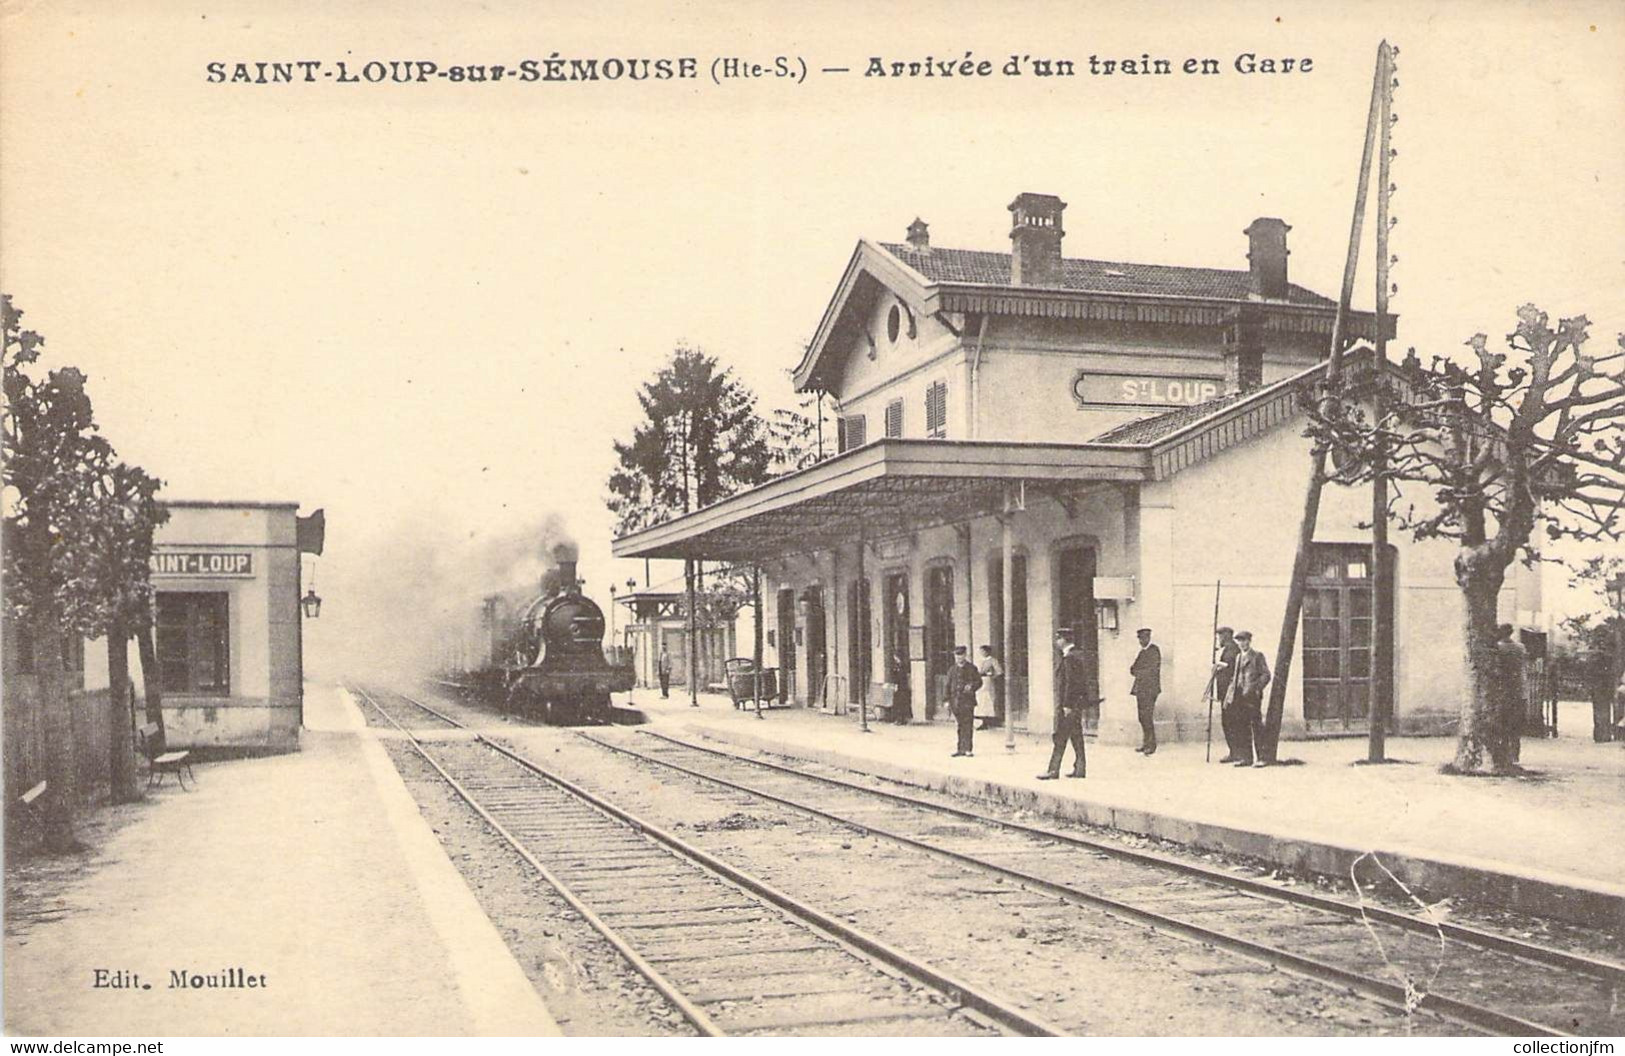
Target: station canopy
<point x="888" y="488"/>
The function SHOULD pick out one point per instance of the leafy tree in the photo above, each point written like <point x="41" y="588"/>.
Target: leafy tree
<point x="50" y="440"/>
<point x="700" y="441"/>
<point x="1600" y="637"/>
<point x="117" y="518"/>
<point x="800" y="436"/>
<point x="79" y="529"/>
<point x="1498" y="447"/>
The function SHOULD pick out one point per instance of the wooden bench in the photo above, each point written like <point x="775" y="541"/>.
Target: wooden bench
<point x="160" y="762"/>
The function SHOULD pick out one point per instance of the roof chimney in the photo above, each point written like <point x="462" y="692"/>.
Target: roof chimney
<point x="1266" y="256"/>
<point x="1035" y="240"/>
<point x="919" y="235"/>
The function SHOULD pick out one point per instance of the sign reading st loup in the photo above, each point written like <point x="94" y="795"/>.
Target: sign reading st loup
<point x="1144" y="389"/>
<point x="210" y="563"/>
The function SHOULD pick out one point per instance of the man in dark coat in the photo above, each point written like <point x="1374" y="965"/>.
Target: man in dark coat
<point x="1246" y="695"/>
<point x="1224" y="671"/>
<point x="1071" y="698"/>
<point x="963" y="682"/>
<point x="1147" y="673"/>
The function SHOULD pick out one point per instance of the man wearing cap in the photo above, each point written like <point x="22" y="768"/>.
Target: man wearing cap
<point x="1147" y="673"/>
<point x="1071" y="697"/>
<point x="1224" y="672"/>
<point x="1246" y="694"/>
<point x="963" y="682"/>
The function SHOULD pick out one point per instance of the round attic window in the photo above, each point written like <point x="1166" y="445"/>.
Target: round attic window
<point x="894" y="323"/>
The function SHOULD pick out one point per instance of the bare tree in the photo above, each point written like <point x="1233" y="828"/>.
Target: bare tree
<point x="1483" y="453"/>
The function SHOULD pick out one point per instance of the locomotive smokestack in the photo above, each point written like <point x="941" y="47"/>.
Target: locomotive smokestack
<point x="564" y="566"/>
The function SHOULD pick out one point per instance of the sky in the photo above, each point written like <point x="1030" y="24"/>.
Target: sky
<point x="427" y="307"/>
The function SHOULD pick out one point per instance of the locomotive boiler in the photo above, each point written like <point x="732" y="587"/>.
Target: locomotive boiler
<point x="559" y="672"/>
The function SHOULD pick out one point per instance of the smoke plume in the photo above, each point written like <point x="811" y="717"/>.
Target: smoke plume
<point x="412" y="603"/>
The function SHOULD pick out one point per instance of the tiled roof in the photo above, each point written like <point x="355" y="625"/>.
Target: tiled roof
<point x="1150" y="430"/>
<point x="1094" y="276"/>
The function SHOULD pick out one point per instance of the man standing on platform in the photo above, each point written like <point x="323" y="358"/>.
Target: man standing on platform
<point x="1071" y="697"/>
<point x="1224" y="672"/>
<point x="963" y="682"/>
<point x="663" y="668"/>
<point x="1246" y="694"/>
<point x="1147" y="673"/>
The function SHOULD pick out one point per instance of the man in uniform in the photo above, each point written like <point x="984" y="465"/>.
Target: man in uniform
<point x="663" y="667"/>
<point x="1147" y="673"/>
<point x="963" y="682"/>
<point x="1224" y="671"/>
<point x="1071" y="697"/>
<point x="1246" y="695"/>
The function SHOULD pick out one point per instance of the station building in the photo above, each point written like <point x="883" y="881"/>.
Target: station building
<point x="229" y="626"/>
<point x="658" y="620"/>
<point x="1030" y="442"/>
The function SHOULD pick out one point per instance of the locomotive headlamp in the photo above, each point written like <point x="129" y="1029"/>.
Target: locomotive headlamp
<point x="311" y="603"/>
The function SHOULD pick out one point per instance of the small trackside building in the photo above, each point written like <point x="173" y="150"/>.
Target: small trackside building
<point x="228" y="624"/>
<point x="1030" y="443"/>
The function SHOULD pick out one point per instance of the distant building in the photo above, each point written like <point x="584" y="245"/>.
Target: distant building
<point x="1031" y="442"/>
<point x="657" y="619"/>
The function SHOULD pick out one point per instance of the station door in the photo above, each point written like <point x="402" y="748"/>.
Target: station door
<point x="939" y="634"/>
<point x="1337" y="638"/>
<point x="1075" y="611"/>
<point x="859" y="640"/>
<point x="787" y="645"/>
<point x="894" y="640"/>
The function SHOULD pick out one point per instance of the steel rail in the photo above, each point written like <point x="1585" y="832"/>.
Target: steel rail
<point x="689" y="1011"/>
<point x="1382" y="991"/>
<point x="994" y="1007"/>
<point x="1607" y="970"/>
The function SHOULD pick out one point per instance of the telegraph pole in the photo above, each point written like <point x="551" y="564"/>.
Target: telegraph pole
<point x="1382" y="592"/>
<point x="1287" y="643"/>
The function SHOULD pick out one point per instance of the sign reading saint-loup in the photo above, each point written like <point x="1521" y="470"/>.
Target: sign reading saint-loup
<point x="1144" y="389"/>
<point x="202" y="563"/>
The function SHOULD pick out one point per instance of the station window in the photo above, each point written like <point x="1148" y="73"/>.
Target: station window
<point x="894" y="418"/>
<point x="193" y="642"/>
<point x="936" y="409"/>
<point x="852" y="431"/>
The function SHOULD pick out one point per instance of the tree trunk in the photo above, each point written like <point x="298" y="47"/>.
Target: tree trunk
<point x="1485" y="742"/>
<point x="151" y="684"/>
<point x="57" y="720"/>
<point x="121" y="769"/>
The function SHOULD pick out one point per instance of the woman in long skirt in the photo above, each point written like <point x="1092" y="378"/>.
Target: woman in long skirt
<point x="986" y="698"/>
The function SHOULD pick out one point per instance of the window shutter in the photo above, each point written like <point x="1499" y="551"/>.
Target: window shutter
<point x="851" y="432"/>
<point x="840" y="434"/>
<point x="936" y="409"/>
<point x="894" y="418"/>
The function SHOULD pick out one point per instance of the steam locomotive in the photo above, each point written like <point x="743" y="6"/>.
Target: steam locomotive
<point x="547" y="658"/>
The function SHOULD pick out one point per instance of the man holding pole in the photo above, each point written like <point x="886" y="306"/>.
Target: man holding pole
<point x="1224" y="672"/>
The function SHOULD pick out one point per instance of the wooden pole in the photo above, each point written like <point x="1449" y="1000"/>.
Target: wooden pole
<point x="693" y="644"/>
<point x="1382" y="599"/>
<point x="1007" y="550"/>
<point x="1212" y="675"/>
<point x="756" y="607"/>
<point x="862" y="674"/>
<point x="1287" y="643"/>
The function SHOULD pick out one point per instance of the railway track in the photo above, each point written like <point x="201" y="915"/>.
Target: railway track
<point x="730" y="953"/>
<point x="1477" y="979"/>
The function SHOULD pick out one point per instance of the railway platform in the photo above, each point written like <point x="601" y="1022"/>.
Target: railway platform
<point x="1551" y="845"/>
<point x="300" y="894"/>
